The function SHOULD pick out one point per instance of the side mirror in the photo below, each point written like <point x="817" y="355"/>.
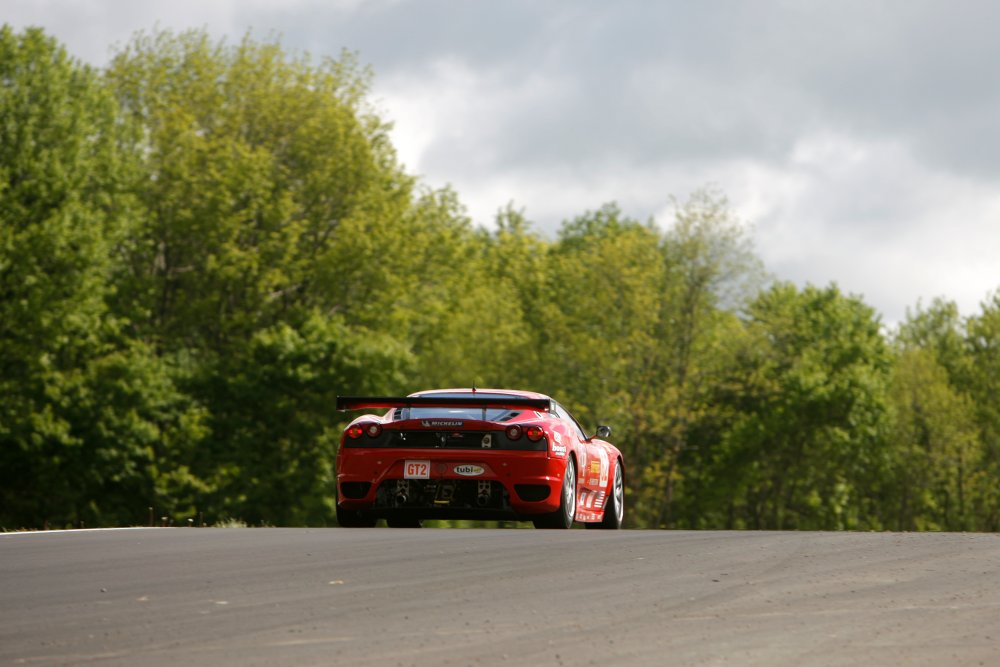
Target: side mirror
<point x="603" y="432"/>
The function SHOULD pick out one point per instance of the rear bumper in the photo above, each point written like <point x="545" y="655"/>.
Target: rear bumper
<point x="459" y="484"/>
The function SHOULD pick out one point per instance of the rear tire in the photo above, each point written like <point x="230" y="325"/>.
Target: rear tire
<point x="614" y="509"/>
<point x="563" y="517"/>
<point x="354" y="518"/>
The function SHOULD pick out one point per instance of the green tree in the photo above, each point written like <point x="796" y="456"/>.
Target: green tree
<point x="274" y="430"/>
<point x="935" y="444"/>
<point x="60" y="215"/>
<point x="641" y="322"/>
<point x="461" y="320"/>
<point x="272" y="208"/>
<point x="711" y="272"/>
<point x="88" y="416"/>
<point x="806" y="448"/>
<point x="982" y="381"/>
<point x="136" y="434"/>
<point x="269" y="190"/>
<point x="941" y="331"/>
<point x="598" y="313"/>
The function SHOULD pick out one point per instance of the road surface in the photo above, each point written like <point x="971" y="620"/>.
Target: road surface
<point x="386" y="597"/>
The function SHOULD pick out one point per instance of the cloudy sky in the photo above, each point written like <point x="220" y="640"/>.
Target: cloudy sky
<point x="859" y="140"/>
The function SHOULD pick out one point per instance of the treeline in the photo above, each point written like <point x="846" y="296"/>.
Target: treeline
<point x="202" y="244"/>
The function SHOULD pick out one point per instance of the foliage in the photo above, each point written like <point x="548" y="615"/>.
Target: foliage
<point x="62" y="209"/>
<point x="805" y="447"/>
<point x="934" y="441"/>
<point x="204" y="244"/>
<point x="272" y="442"/>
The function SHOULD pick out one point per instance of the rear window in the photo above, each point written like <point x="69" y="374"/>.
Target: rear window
<point x="485" y="414"/>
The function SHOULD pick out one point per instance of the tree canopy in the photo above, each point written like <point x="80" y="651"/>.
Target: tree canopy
<point x="204" y="243"/>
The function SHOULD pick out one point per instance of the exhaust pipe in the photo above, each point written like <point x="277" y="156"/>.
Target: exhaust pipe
<point x="402" y="492"/>
<point x="483" y="498"/>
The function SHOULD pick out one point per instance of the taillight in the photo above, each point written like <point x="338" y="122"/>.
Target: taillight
<point x="371" y="429"/>
<point x="534" y="433"/>
<point x="513" y="432"/>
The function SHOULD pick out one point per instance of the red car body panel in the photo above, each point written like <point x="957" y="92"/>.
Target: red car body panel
<point x="402" y="464"/>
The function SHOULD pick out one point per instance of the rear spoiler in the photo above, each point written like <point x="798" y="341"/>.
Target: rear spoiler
<point x="506" y="402"/>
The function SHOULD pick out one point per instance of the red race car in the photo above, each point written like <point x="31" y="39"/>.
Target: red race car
<point x="475" y="454"/>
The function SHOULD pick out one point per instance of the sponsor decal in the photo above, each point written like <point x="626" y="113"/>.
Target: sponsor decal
<point x="595" y="467"/>
<point x="559" y="450"/>
<point x="605" y="466"/>
<point x="438" y="423"/>
<point x="557" y="435"/>
<point x="469" y="470"/>
<point x="487" y="441"/>
<point x="593" y="481"/>
<point x="599" y="501"/>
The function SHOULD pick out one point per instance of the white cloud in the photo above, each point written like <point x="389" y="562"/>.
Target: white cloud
<point x="452" y="117"/>
<point x="872" y="218"/>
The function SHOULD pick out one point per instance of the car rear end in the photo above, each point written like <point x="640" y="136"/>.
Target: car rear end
<point x="423" y="461"/>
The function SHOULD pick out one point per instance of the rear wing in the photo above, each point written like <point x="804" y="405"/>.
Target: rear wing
<point x="505" y="402"/>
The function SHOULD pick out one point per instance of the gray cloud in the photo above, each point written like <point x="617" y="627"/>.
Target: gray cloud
<point x="859" y="137"/>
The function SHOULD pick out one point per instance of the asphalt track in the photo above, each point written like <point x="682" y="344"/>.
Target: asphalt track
<point x="388" y="597"/>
